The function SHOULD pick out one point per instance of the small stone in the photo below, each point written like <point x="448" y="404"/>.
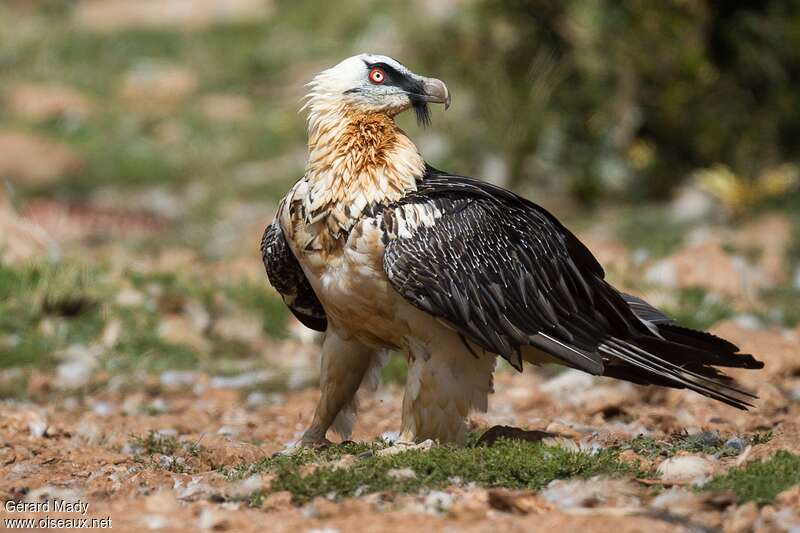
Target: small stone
<point x="389" y="437"/>
<point x="438" y="501"/>
<point x="423" y="446"/>
<point x="178" y="378"/>
<point x="401" y="474"/>
<point x="74" y="374"/>
<point x="685" y="468"/>
<point x="737" y="444"/>
<point x="37" y="425"/>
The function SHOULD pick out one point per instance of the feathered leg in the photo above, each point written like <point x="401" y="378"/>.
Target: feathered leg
<point x="446" y="380"/>
<point x="344" y="366"/>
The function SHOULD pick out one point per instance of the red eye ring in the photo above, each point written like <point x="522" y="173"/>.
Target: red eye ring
<point x="377" y="75"/>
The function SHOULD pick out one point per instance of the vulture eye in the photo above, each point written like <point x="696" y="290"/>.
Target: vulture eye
<point x="376" y="75"/>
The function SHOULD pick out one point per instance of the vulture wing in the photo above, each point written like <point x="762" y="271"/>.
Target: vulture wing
<point x="286" y="275"/>
<point x="505" y="274"/>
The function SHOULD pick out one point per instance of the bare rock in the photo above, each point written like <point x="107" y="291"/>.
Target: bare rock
<point x="35" y="160"/>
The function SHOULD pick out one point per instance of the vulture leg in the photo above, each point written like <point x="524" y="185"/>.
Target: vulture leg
<point x="445" y="382"/>
<point x="344" y="364"/>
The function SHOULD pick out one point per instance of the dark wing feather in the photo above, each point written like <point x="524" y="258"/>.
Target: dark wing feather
<point x="506" y="274"/>
<point x="286" y="275"/>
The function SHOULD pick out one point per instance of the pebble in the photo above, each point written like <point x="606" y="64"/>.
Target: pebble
<point x="685" y="468"/>
<point x="102" y="408"/>
<point x="437" y="501"/>
<point x="37" y="425"/>
<point x="241" y="381"/>
<point x="73" y="374"/>
<point x="423" y="446"/>
<point x="736" y="443"/>
<point x="400" y="474"/>
<point x="389" y="437"/>
<point x="178" y="378"/>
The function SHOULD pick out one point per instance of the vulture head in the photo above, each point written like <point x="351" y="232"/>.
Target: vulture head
<point x="369" y="83"/>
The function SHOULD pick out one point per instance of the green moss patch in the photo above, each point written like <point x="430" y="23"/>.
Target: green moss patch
<point x="512" y="464"/>
<point x="760" y="482"/>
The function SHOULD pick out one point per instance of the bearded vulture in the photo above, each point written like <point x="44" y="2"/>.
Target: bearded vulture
<point x="381" y="251"/>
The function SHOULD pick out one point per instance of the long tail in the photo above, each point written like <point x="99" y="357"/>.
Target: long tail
<point x="677" y="357"/>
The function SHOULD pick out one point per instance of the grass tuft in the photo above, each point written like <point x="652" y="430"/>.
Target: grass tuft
<point x="511" y="464"/>
<point x="707" y="442"/>
<point x="760" y="482"/>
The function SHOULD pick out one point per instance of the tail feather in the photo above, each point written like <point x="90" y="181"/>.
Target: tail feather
<point x="663" y="362"/>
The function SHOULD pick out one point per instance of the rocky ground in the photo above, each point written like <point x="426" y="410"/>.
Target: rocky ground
<point x="147" y="369"/>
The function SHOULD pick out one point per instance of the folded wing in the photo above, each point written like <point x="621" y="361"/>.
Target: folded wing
<point x="506" y="274"/>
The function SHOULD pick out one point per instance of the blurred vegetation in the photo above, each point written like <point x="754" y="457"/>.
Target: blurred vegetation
<point x="632" y="95"/>
<point x="596" y="98"/>
<point x="581" y="102"/>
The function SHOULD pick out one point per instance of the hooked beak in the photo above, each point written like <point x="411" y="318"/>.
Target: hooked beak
<point x="435" y="91"/>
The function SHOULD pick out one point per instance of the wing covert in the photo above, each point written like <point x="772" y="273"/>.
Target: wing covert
<point x="501" y="271"/>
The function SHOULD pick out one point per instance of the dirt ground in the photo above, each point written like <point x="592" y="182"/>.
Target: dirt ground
<point x="80" y="448"/>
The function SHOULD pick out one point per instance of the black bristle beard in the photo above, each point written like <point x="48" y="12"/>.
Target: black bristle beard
<point x="422" y="112"/>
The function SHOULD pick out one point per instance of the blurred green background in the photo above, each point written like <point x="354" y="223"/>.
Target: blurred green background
<point x="145" y="143"/>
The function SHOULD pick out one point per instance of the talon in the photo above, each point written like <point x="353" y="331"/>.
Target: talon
<point x="315" y="444"/>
